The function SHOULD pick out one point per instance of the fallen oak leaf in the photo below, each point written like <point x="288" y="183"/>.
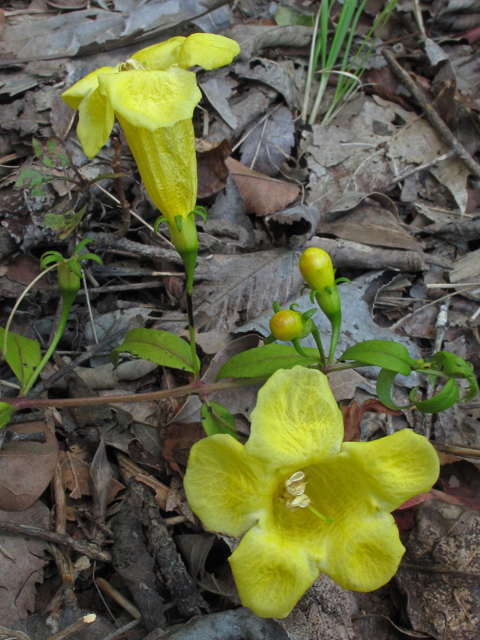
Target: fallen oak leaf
<point x="261" y="194"/>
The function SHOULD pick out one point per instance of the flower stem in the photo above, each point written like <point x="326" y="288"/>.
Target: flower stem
<point x="318" y="340"/>
<point x="319" y="515"/>
<point x="67" y="302"/>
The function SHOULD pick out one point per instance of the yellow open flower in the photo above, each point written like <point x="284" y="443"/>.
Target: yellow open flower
<point x="153" y="97"/>
<point x="293" y="470"/>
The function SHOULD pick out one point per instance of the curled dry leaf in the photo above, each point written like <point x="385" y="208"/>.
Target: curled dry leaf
<point x="26" y="468"/>
<point x="262" y="194"/>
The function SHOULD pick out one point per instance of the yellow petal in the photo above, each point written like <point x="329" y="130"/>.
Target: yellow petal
<point x="95" y="122"/>
<point x="167" y="164"/>
<point x="160" y="57"/>
<point x="396" y="468"/>
<point x="208" y="51"/>
<point x="361" y="548"/>
<point x="227" y="489"/>
<point x="74" y="96"/>
<point x="271" y="572"/>
<point x="152" y="99"/>
<point x="296" y="421"/>
<point x="364" y="555"/>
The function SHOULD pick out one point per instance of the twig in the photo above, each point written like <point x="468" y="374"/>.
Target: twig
<point x="260" y="140"/>
<point x="421" y="167"/>
<point x="89" y="307"/>
<point x="117" y="167"/>
<point x="60" y="502"/>
<point x="121" y="633"/>
<point x="425" y="306"/>
<point x="74" y="628"/>
<point x="265" y="117"/>
<point x="13" y="436"/>
<point x="85" y="548"/>
<point x="440" y="328"/>
<point x="119" y="598"/>
<point x="37" y="391"/>
<point x="437" y="123"/>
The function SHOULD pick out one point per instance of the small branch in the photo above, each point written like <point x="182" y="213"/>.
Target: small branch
<point x="187" y="390"/>
<point x="13" y="436"/>
<point x="77" y="545"/>
<point x="75" y="628"/>
<point x="437" y="123"/>
<point x="117" y="167"/>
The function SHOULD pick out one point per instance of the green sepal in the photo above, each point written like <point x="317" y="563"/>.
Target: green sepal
<point x="382" y="353"/>
<point x="179" y="223"/>
<point x="338" y="280"/>
<point x="329" y="291"/>
<point x="308" y="314"/>
<point x="162" y="347"/>
<point x="23" y="355"/>
<point x="299" y="348"/>
<point x="269" y="339"/>
<point x="440" y="402"/>
<point x="158" y="222"/>
<point x="384" y="387"/>
<point x="276" y="307"/>
<point x="200" y="211"/>
<point x="264" y="361"/>
<point x="213" y="425"/>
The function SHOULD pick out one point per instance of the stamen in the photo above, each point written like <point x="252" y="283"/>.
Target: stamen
<point x="319" y="515"/>
<point x="132" y="65"/>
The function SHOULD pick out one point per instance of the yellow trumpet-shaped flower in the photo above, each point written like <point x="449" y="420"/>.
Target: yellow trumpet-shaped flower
<point x="153" y="97"/>
<point x="306" y="502"/>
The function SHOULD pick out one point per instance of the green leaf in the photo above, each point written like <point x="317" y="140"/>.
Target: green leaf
<point x="382" y="353"/>
<point x="23" y="355"/>
<point x="6" y="411"/>
<point x="161" y="347"/>
<point x="384" y="386"/>
<point x="211" y="422"/>
<point x="441" y="401"/>
<point x="264" y="361"/>
<point x="64" y="224"/>
<point x="456" y="367"/>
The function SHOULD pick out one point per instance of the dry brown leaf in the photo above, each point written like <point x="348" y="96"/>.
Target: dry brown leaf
<point x="77" y="479"/>
<point x="21" y="563"/>
<point x="179" y="439"/>
<point x="212" y="170"/>
<point x="371" y="226"/>
<point x="26" y="468"/>
<point x="352" y="417"/>
<point x="261" y="194"/>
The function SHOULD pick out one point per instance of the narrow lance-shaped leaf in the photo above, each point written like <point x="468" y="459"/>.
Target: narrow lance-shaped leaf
<point x="213" y="425"/>
<point x="384" y="386"/>
<point x="264" y="361"/>
<point x="440" y="402"/>
<point x="161" y="347"/>
<point x="23" y="355"/>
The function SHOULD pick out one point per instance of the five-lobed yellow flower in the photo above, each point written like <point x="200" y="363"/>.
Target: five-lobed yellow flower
<point x="153" y="97"/>
<point x="293" y="465"/>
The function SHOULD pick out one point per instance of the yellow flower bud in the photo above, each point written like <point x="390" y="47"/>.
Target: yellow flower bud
<point x="287" y="325"/>
<point x="317" y="269"/>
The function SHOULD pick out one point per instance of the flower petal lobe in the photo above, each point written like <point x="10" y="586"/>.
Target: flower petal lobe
<point x="296" y="421"/>
<point x="208" y="50"/>
<point x="227" y="489"/>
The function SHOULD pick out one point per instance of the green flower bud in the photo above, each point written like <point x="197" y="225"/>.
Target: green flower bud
<point x="316" y="267"/>
<point x="287" y="325"/>
<point x="68" y="281"/>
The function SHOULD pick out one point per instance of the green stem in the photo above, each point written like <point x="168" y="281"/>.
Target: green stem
<point x="187" y="390"/>
<point x="17" y="304"/>
<point x="335" y="334"/>
<point x="318" y="340"/>
<point x="67" y="302"/>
